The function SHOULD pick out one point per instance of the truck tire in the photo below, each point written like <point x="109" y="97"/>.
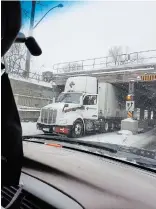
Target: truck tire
<point x="104" y="127"/>
<point x="112" y="127"/>
<point x="77" y="129"/>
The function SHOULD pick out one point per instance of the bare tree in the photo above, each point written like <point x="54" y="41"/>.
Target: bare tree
<point x="119" y="55"/>
<point x="47" y="76"/>
<point x="115" y="54"/>
<point x="15" y="59"/>
<point x="72" y="67"/>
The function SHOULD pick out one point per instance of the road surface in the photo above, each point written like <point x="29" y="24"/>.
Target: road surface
<point x="145" y="140"/>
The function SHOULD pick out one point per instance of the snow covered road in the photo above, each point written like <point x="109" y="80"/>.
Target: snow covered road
<point x="126" y="138"/>
<point x="29" y="128"/>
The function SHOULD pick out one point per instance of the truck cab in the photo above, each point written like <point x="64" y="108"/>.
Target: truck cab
<point x="86" y="105"/>
<point x="68" y="115"/>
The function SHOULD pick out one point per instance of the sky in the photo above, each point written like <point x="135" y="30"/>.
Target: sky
<point x="82" y="30"/>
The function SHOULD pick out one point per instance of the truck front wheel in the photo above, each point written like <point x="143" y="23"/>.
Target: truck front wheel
<point x="77" y="129"/>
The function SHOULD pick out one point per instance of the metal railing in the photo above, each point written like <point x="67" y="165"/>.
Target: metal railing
<point x="106" y="62"/>
<point x="142" y="57"/>
<point x="21" y="73"/>
<point x="32" y="101"/>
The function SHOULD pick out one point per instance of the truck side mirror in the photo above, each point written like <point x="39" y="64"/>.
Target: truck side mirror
<point x="66" y="105"/>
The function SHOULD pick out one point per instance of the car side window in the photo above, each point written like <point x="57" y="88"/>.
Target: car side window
<point x="90" y="100"/>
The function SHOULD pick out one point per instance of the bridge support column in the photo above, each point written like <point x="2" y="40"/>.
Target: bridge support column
<point x="141" y="114"/>
<point x="149" y="114"/>
<point x="149" y="118"/>
<point x="130" y="125"/>
<point x="154" y="118"/>
<point x="154" y="114"/>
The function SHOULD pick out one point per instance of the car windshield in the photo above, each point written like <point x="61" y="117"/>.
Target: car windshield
<point x="104" y="49"/>
<point x="69" y="98"/>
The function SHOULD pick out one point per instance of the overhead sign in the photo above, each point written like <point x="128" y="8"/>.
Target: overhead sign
<point x="148" y="77"/>
<point x="130" y="106"/>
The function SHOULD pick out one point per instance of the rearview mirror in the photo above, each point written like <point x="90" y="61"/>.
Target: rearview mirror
<point x="30" y="43"/>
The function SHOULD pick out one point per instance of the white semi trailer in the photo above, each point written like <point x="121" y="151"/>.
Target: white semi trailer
<point x="86" y="105"/>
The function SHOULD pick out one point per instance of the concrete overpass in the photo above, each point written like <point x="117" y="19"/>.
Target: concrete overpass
<point x="118" y="74"/>
<point x="124" y="66"/>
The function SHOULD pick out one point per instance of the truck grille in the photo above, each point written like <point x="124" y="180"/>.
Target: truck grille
<point x="48" y="116"/>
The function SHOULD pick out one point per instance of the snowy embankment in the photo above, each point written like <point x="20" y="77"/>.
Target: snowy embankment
<point x="29" y="128"/>
<point x="31" y="80"/>
<point x="121" y="138"/>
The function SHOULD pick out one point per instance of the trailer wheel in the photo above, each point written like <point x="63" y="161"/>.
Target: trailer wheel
<point x="112" y="128"/>
<point x="106" y="127"/>
<point x="102" y="126"/>
<point x="77" y="129"/>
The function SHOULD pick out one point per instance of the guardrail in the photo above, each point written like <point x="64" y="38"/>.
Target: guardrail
<point x="106" y="62"/>
<point x="29" y="115"/>
<point x="22" y="74"/>
<point x="32" y="101"/>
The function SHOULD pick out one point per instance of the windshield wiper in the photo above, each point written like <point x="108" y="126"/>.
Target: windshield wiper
<point x="115" y="152"/>
<point x="60" y="138"/>
<point x="143" y="161"/>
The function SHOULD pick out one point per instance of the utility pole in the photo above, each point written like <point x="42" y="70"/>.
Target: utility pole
<point x="32" y="27"/>
<point x="28" y="55"/>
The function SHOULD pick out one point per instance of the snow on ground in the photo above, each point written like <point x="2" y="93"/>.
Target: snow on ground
<point x="124" y="138"/>
<point x="29" y="128"/>
<point x="31" y="80"/>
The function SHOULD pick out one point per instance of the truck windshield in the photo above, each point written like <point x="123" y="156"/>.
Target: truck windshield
<point x="69" y="98"/>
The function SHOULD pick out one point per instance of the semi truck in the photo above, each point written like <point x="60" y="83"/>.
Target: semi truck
<point x="86" y="105"/>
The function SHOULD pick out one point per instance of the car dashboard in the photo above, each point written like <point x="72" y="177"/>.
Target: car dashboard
<point x="61" y="178"/>
<point x="36" y="194"/>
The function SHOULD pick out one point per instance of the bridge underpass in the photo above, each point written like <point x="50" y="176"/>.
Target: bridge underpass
<point x="119" y="75"/>
<point x="145" y="102"/>
<point x="144" y="95"/>
<point x="144" y="91"/>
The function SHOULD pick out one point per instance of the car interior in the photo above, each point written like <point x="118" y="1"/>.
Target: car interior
<point x="46" y="176"/>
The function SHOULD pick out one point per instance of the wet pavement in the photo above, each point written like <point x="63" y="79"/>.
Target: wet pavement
<point x="151" y="145"/>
